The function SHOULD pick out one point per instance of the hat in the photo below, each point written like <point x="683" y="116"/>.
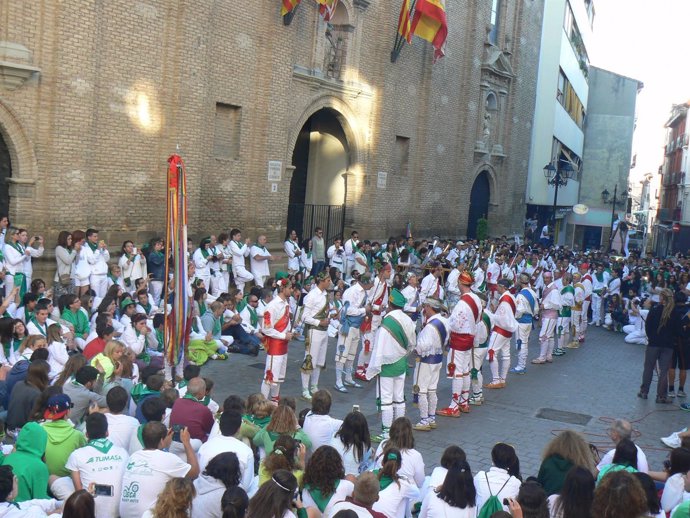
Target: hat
<point x="458" y="243"/>
<point x="381" y="265"/>
<point x="322" y="276"/>
<point x="585" y="266"/>
<point x="506" y="283"/>
<point x="466" y="278"/>
<point x="57" y="407"/>
<point x="365" y="278"/>
<point x="282" y="275"/>
<point x="126" y="302"/>
<point x="436" y="303"/>
<point x="397" y="299"/>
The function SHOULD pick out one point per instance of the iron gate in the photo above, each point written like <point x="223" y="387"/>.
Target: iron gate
<point x="304" y="218"/>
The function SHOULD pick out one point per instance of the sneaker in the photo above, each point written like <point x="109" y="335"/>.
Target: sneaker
<point x="685" y="406"/>
<point x="432" y="423"/>
<point x="681" y="393"/>
<point x="573" y="345"/>
<point x="450" y="412"/>
<point x="538" y="361"/>
<point x="672" y="441"/>
<point x="518" y="370"/>
<point x="558" y="352"/>
<point x="422" y="426"/>
<point x="352" y="383"/>
<point x="340" y="388"/>
<point x="476" y="401"/>
<point x="643" y="395"/>
<point x="306" y="395"/>
<point x="313" y="389"/>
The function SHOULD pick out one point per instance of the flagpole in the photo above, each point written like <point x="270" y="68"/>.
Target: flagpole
<point x="399" y="39"/>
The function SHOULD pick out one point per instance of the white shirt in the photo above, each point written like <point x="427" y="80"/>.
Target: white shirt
<point x="335" y="259"/>
<point x="642" y="464"/>
<point x="144" y="478"/>
<point x="101" y="468"/>
<point x="98" y="259"/>
<point x="120" y="429"/>
<point x="37" y="508"/>
<point x="259" y="268"/>
<point x="350" y="463"/>
<point x="290" y="248"/>
<point x="239" y="252"/>
<point x="344" y="489"/>
<point x="412" y="466"/>
<point x="209" y="492"/>
<point x="395" y="498"/>
<point x="320" y="429"/>
<point x="496" y="477"/>
<point x="434" y="507"/>
<point x="222" y="444"/>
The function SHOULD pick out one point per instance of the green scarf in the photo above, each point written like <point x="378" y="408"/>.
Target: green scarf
<point x="18" y="247"/>
<point x="102" y="445"/>
<point x="239" y="245"/>
<point x="79" y="320"/>
<point x="384" y="481"/>
<point x="396" y="331"/>
<point x="189" y="396"/>
<point x="217" y="326"/>
<point x="92" y="246"/>
<point x="160" y="339"/>
<point x="321" y="500"/>
<point x="205" y="251"/>
<point x="599" y="276"/>
<point x="112" y="278"/>
<point x="147" y="307"/>
<point x="144" y="356"/>
<point x="242" y="304"/>
<point x="182" y="384"/>
<point x="202" y="308"/>
<point x="139" y="391"/>
<point x="253" y="317"/>
<point x="40" y="329"/>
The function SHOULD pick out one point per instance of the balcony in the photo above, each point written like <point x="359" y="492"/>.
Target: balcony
<point x="664" y="214"/>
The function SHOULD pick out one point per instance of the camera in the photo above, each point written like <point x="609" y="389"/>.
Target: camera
<point x="506" y="502"/>
<point x="177" y="428"/>
<point x="102" y="490"/>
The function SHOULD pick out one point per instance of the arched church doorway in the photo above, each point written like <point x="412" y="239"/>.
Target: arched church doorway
<point x="5" y="173"/>
<point x="479" y="203"/>
<point x="317" y="189"/>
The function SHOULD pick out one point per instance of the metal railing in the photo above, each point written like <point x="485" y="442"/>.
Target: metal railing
<point x="304" y="218"/>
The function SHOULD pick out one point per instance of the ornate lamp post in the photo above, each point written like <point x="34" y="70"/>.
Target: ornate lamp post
<point x="558" y="177"/>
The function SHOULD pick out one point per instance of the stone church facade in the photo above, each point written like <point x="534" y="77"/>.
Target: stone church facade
<point x="274" y="121"/>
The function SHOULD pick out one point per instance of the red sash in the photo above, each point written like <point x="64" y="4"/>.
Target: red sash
<point x="461" y="341"/>
<point x="473" y="306"/>
<point x="589" y="278"/>
<point x="510" y="301"/>
<point x="502" y="332"/>
<point x="378" y="302"/>
<point x="277" y="346"/>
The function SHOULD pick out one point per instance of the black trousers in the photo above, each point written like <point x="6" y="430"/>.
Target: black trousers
<point x="653" y="355"/>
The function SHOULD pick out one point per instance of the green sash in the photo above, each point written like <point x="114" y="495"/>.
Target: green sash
<point x="396" y="330"/>
<point x="319" y="498"/>
<point x="565" y="310"/>
<point x="20" y="280"/>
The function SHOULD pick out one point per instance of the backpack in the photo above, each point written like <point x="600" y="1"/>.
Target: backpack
<point x="492" y="504"/>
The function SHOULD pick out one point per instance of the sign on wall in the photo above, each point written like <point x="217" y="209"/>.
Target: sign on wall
<point x="381" y="180"/>
<point x="275" y="170"/>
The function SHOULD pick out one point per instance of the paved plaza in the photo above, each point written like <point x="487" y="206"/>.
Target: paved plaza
<point x="588" y="386"/>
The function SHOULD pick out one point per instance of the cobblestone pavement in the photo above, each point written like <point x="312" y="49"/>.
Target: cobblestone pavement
<point x="598" y="381"/>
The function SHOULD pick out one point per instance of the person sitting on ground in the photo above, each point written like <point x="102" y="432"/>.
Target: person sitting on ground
<point x="120" y="425"/>
<point x="219" y="475"/>
<point x="190" y="412"/>
<point x="288" y="454"/>
<point x="151" y="389"/>
<point x="108" y="359"/>
<point x="10" y="508"/>
<point x="676" y="478"/>
<point x="532" y="501"/>
<point x="624" y="458"/>
<point x="247" y="429"/>
<point x="324" y="480"/>
<point x="566" y="450"/>
<point x="190" y="371"/>
<point x="456" y="497"/>
<point x="104" y="334"/>
<point x="27" y="463"/>
<point x="276" y="498"/>
<point x="397" y="492"/>
<point x="234" y="503"/>
<point x="620" y="495"/>
<point x="84" y="391"/>
<point x="283" y="421"/>
<point x="230" y="422"/>
<point x="364" y="496"/>
<point x="318" y="425"/>
<point x="63" y="438"/>
<point x="451" y="455"/>
<point x="621" y="429"/>
<point x="402" y="438"/>
<point x="152" y="410"/>
<point x="503" y="478"/>
<point x="25" y="393"/>
<point x="653" y="501"/>
<point x="576" y="495"/>
<point x="148" y="470"/>
<point x="175" y="500"/>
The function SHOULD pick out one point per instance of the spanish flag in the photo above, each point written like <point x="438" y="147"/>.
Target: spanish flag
<point x="404" y="26"/>
<point x="288" y="6"/>
<point x="429" y="23"/>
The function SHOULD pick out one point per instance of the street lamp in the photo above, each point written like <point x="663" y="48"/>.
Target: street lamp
<point x="605" y="195"/>
<point x="558" y="177"/>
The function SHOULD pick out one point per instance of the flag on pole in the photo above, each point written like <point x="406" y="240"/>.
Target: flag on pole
<point x="177" y="320"/>
<point x="429" y="23"/>
<point x="327" y="9"/>
<point x="404" y="24"/>
<point x="408" y="230"/>
<point x="288" y="6"/>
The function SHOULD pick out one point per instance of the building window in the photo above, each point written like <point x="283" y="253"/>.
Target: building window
<point x="575" y="36"/>
<point x="564" y="155"/>
<point x="226" y="135"/>
<point x="402" y="154"/>
<point x="495" y="19"/>
<point x="569" y="100"/>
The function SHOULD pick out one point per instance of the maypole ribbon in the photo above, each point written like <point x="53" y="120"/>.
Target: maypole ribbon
<point x="177" y="320"/>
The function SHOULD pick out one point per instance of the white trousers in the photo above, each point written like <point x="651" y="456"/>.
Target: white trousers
<point x="426" y="376"/>
<point x="156" y="290"/>
<point x="318" y="344"/>
<point x="370" y="337"/>
<point x="391" y="391"/>
<point x="277" y="364"/>
<point x="460" y="384"/>
<point x="522" y="344"/>
<point x="259" y="280"/>
<point x="585" y="311"/>
<point x="499" y="345"/>
<point x="478" y="355"/>
<point x="597" y="308"/>
<point x="563" y="331"/>
<point x="580" y="322"/>
<point x="636" y="337"/>
<point x="99" y="284"/>
<point x="242" y="276"/>
<point x="546" y="338"/>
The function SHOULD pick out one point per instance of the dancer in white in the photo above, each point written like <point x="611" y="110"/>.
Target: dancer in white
<point x="378" y="298"/>
<point x="550" y="305"/>
<point x="316" y="320"/>
<point x="499" y="343"/>
<point x="527" y="308"/>
<point x="277" y="329"/>
<point x="239" y="251"/>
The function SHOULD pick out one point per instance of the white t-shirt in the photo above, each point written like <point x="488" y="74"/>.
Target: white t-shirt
<point x="259" y="268"/>
<point x="134" y="442"/>
<point x="497" y="478"/>
<point x="395" y="498"/>
<point x="348" y="506"/>
<point x="434" y="507"/>
<point x="434" y="480"/>
<point x="344" y="489"/>
<point x="145" y="477"/>
<point x="121" y="428"/>
<point x="350" y="463"/>
<point x="221" y="444"/>
<point x="320" y="429"/>
<point x="101" y="468"/>
<point x="412" y="466"/>
<point x="641" y="460"/>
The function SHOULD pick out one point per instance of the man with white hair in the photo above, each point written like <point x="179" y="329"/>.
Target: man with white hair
<point x="550" y="305"/>
<point x="621" y="429"/>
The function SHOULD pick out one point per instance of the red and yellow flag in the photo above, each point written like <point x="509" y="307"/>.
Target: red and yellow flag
<point x="288" y="6"/>
<point x="327" y="8"/>
<point x="429" y="23"/>
<point x="404" y="24"/>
